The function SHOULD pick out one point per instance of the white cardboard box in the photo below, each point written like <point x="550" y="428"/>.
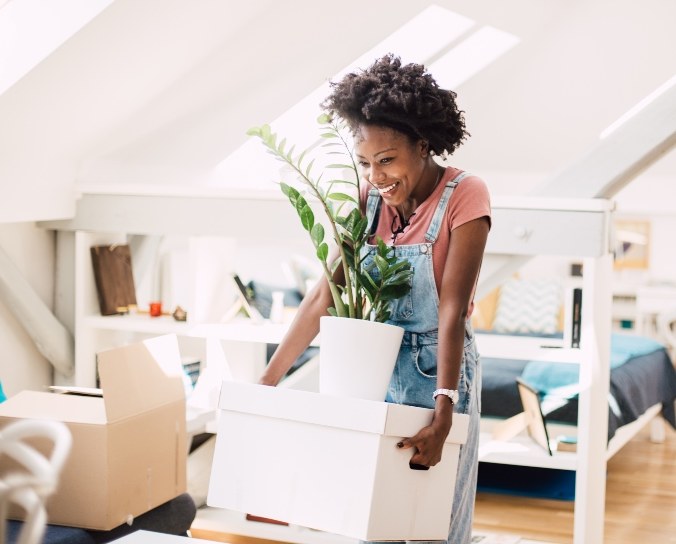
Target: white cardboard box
<point x="330" y="463"/>
<point x="129" y="446"/>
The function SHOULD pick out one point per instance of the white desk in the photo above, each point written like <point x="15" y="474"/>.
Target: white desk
<point x="244" y="341"/>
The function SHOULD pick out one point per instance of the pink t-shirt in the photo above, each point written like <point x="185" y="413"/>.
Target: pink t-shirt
<point x="470" y="200"/>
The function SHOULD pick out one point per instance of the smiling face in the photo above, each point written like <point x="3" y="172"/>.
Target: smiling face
<point x="401" y="170"/>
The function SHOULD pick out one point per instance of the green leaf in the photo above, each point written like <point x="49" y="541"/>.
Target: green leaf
<point x="353" y="219"/>
<point x="360" y="228"/>
<point x="300" y="203"/>
<point x="292" y="194"/>
<point x="392" y="292"/>
<point x="342" y="197"/>
<point x="381" y="263"/>
<point x="332" y="311"/>
<point x="342" y="166"/>
<point x="324" y="119"/>
<point x="317" y="234"/>
<point x="309" y="168"/>
<point x="323" y="251"/>
<point x="307" y="218"/>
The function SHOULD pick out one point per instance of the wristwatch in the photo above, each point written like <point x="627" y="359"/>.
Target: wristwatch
<point x="450" y="393"/>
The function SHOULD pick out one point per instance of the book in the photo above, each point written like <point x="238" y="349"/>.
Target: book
<point x="113" y="277"/>
<point x="248" y="300"/>
<point x="576" y="318"/>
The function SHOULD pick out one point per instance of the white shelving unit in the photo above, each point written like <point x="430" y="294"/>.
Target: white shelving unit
<point x="522" y="227"/>
<point x="579" y="229"/>
<point x="110" y="217"/>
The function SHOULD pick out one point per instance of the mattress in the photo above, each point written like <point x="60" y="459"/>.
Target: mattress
<point x="639" y="382"/>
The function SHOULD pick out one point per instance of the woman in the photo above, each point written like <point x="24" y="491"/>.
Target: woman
<point x="438" y="218"/>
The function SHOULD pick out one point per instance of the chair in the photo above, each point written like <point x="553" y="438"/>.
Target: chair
<point x="35" y="475"/>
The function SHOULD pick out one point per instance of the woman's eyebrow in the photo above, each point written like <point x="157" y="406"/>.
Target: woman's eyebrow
<point x="379" y="152"/>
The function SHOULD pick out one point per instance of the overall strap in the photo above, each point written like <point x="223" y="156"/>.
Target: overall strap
<point x="435" y="225"/>
<point x="372" y="210"/>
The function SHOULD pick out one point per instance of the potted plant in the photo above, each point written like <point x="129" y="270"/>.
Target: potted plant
<point x="370" y="287"/>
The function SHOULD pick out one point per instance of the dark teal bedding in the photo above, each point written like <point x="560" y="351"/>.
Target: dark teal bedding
<point x="642" y="374"/>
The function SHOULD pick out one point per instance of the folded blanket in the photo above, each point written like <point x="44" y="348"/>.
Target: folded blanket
<point x="561" y="379"/>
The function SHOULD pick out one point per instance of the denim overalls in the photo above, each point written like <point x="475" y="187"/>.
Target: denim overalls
<point x="415" y="375"/>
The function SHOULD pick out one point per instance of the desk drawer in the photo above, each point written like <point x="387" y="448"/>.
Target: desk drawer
<point x="552" y="232"/>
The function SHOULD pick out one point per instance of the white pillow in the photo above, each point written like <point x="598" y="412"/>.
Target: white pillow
<point x="529" y="306"/>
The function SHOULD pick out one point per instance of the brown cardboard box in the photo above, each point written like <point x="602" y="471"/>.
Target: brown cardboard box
<point x="129" y="447"/>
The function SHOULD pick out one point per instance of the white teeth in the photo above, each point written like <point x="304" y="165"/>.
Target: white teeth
<point x="388" y="188"/>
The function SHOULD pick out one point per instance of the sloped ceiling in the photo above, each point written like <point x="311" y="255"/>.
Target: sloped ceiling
<point x="160" y="91"/>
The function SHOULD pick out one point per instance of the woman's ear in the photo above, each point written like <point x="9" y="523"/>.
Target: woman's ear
<point x="424" y="148"/>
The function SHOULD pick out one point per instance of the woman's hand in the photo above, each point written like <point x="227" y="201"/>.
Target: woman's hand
<point x="429" y="441"/>
<point x="267" y="380"/>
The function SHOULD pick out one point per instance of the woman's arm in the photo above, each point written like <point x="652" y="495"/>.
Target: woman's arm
<point x="461" y="270"/>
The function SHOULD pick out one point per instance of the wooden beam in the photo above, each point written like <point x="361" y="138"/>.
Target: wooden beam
<point x="616" y="160"/>
<point x="613" y="163"/>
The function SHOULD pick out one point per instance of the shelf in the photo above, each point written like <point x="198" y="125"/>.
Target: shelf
<point x="523" y="451"/>
<point x="142" y="323"/>
<point x="527" y="348"/>
<point x="240" y="330"/>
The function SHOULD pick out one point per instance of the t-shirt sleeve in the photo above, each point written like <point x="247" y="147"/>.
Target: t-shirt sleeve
<point x="470" y="201"/>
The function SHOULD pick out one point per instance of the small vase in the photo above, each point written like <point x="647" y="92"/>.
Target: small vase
<point x="357" y="357"/>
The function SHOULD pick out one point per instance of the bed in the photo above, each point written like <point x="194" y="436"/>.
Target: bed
<point x="642" y="376"/>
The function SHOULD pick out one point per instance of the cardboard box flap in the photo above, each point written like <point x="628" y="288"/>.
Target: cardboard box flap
<point x="347" y="413"/>
<point x="141" y="376"/>
<point x="43" y="405"/>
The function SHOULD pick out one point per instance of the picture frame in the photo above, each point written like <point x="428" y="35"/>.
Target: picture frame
<point x="631" y="246"/>
<point x="536" y="424"/>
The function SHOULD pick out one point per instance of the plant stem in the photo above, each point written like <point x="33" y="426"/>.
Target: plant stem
<point x="335" y="293"/>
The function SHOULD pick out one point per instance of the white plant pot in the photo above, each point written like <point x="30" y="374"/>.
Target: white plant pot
<point x="357" y="357"/>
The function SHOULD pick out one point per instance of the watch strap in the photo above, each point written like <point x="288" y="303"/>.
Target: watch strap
<point x="450" y="393"/>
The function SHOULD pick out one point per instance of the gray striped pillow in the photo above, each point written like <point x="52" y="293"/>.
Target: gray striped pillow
<point x="529" y="306"/>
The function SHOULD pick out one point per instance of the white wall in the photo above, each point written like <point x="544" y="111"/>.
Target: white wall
<point x="160" y="92"/>
<point x="31" y="249"/>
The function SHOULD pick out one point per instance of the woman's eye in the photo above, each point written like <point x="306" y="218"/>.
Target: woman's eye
<point x="386" y="160"/>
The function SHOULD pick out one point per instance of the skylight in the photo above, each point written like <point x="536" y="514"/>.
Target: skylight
<point x="451" y="50"/>
<point x="642" y="104"/>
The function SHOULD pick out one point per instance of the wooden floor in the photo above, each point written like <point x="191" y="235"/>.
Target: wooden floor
<point x="640" y="501"/>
